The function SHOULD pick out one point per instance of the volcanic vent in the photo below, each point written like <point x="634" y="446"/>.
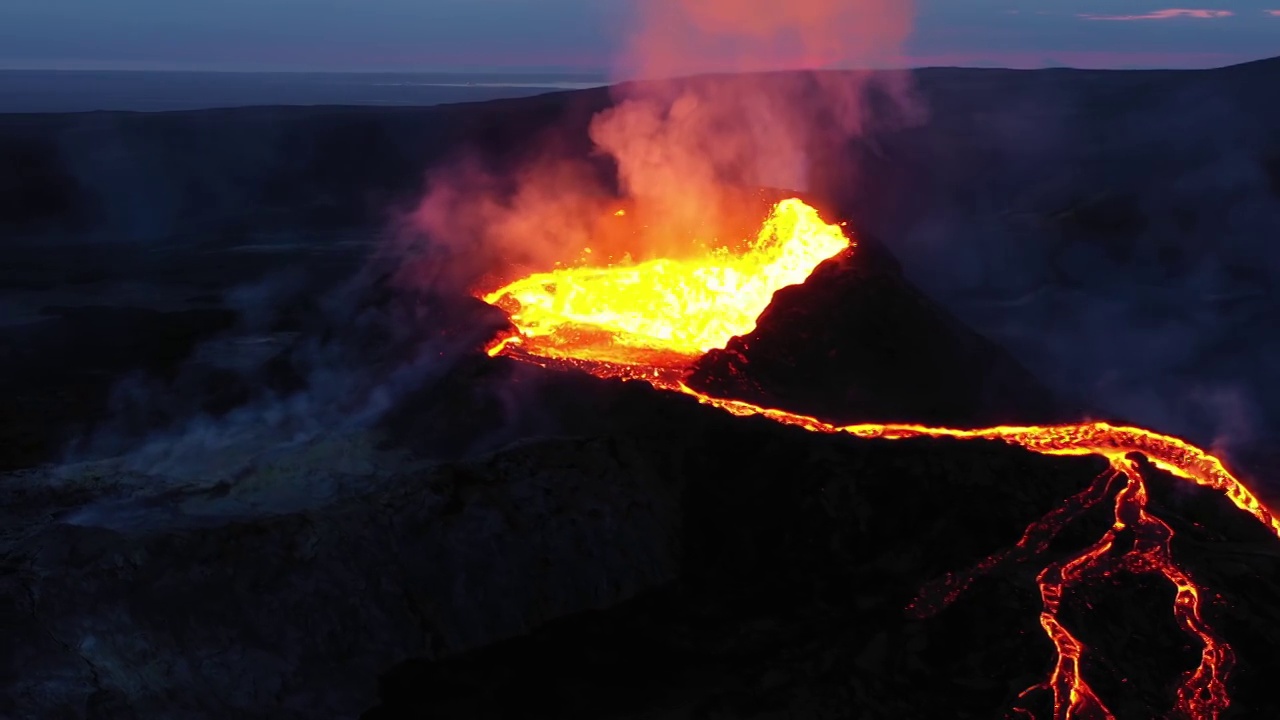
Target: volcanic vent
<point x="689" y="326"/>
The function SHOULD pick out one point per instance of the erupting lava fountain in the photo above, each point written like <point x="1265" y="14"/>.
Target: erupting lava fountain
<point x="651" y="320"/>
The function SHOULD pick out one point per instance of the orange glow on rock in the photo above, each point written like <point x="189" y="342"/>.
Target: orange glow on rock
<point x="648" y="322"/>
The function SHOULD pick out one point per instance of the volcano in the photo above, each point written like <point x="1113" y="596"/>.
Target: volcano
<point x="637" y="320"/>
<point x="631" y="549"/>
<point x="856" y="505"/>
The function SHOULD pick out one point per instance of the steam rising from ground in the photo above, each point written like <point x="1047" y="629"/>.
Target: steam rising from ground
<point x="349" y="354"/>
<point x="677" y="142"/>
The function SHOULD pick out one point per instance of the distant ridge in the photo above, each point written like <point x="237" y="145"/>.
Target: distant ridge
<point x="1270" y="63"/>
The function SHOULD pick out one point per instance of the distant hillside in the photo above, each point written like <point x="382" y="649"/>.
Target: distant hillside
<point x="1115" y="229"/>
<point x="222" y="174"/>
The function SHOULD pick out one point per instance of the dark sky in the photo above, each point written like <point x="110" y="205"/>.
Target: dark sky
<point x="582" y="34"/>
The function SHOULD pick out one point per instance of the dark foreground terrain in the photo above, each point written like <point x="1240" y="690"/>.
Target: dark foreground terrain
<point x="246" y="475"/>
<point x="309" y="510"/>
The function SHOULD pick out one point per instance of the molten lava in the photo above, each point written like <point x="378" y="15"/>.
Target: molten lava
<point x="665" y="312"/>
<point x="648" y="321"/>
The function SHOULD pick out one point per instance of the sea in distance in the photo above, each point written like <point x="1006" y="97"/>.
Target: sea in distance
<point x="59" y="91"/>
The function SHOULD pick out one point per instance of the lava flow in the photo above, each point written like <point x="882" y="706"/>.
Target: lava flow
<point x="667" y="312"/>
<point x="648" y="321"/>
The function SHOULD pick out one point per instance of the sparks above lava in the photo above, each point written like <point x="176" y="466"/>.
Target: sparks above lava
<point x="649" y="321"/>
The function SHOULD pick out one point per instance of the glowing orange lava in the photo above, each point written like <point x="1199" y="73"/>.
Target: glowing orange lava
<point x="667" y="312"/>
<point x="677" y="310"/>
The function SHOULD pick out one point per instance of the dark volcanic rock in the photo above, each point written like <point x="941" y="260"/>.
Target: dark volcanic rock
<point x="799" y="554"/>
<point x="37" y="190"/>
<point x="857" y="343"/>
<point x="647" y="557"/>
<point x="57" y="374"/>
<point x="202" y="604"/>
<point x="659" y="559"/>
<point x="1272" y="167"/>
<point x="282" y="591"/>
<point x="667" y="560"/>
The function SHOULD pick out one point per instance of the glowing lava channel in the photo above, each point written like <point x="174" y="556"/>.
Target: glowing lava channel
<point x="582" y="316"/>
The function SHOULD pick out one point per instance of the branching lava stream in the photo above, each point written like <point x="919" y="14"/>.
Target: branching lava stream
<point x="649" y="321"/>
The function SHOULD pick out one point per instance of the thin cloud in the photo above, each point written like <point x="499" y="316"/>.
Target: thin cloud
<point x="1273" y="13"/>
<point x="1169" y="14"/>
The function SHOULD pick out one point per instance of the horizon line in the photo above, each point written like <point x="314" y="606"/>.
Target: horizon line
<point x="1084" y="60"/>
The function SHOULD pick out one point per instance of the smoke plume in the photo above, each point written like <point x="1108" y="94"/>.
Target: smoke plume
<point x="702" y="114"/>
<point x="679" y="141"/>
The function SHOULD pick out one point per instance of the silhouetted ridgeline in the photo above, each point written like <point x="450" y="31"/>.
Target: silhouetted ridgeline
<point x="219" y="174"/>
<point x="1114" y="229"/>
<point x="216" y="173"/>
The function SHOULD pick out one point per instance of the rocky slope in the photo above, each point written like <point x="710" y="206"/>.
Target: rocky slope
<point x="625" y="553"/>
